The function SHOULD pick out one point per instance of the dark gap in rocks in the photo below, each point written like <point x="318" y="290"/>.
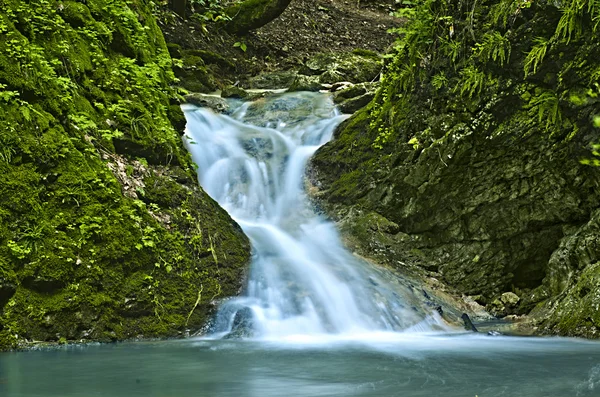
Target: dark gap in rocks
<point x="7" y="290"/>
<point x="42" y="285"/>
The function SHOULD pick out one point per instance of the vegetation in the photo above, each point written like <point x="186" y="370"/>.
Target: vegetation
<point x="473" y="148"/>
<point x="467" y="50"/>
<point x="104" y="233"/>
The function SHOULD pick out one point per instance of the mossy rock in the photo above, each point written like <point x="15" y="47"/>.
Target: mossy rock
<point x="273" y="80"/>
<point x="234" y="92"/>
<point x="486" y="194"/>
<point x="577" y="313"/>
<point x="307" y="83"/>
<point x="338" y="67"/>
<point x="213" y="102"/>
<point x="104" y="231"/>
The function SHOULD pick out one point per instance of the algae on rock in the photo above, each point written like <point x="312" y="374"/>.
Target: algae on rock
<point x="104" y="232"/>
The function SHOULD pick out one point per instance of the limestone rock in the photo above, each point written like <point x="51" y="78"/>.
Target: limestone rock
<point x="213" y="102"/>
<point x="354" y="67"/>
<point x="274" y="80"/>
<point x="354" y="104"/>
<point x="307" y="83"/>
<point x="243" y="324"/>
<point x="234" y="92"/>
<point x="510" y="299"/>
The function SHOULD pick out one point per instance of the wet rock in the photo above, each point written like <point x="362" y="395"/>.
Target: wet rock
<point x="243" y="324"/>
<point x="352" y="91"/>
<point x="468" y="323"/>
<point x="481" y="195"/>
<point x="215" y="103"/>
<point x="354" y="104"/>
<point x="234" y="92"/>
<point x="335" y="87"/>
<point x="353" y="97"/>
<point x="307" y="83"/>
<point x="340" y="67"/>
<point x="276" y="80"/>
<point x="286" y="109"/>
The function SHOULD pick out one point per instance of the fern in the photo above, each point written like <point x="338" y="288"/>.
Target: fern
<point x="504" y="10"/>
<point x="546" y="105"/>
<point x="573" y="15"/>
<point x="472" y="81"/>
<point x="493" y="47"/>
<point x="439" y="81"/>
<point x="569" y="22"/>
<point x="405" y="78"/>
<point x="536" y="55"/>
<point x="452" y="49"/>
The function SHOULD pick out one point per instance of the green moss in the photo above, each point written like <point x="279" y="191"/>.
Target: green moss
<point x="252" y="14"/>
<point x="577" y="314"/>
<point x="85" y="89"/>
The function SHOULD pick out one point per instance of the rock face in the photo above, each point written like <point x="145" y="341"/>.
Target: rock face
<point x="485" y="188"/>
<point x="322" y="70"/>
<point x="104" y="231"/>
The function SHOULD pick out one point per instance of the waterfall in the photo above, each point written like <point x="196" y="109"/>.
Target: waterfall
<point x="302" y="280"/>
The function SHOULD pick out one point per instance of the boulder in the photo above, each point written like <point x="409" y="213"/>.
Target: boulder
<point x="234" y="92"/>
<point x="354" y="104"/>
<point x="307" y="83"/>
<point x="213" y="102"/>
<point x="243" y="324"/>
<point x="275" y="80"/>
<point x="354" y="67"/>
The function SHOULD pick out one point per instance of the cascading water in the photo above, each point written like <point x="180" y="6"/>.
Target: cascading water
<point x="302" y="280"/>
<point x="317" y="312"/>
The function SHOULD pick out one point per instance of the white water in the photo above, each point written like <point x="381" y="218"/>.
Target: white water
<point x="302" y="281"/>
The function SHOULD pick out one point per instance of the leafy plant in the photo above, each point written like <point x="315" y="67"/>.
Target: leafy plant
<point x="546" y="106"/>
<point x="535" y="57"/>
<point x="493" y="47"/>
<point x="439" y="80"/>
<point x="242" y="46"/>
<point x="472" y="81"/>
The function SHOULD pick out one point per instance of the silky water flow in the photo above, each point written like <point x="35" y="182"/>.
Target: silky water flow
<point x="314" y="320"/>
<point x="302" y="280"/>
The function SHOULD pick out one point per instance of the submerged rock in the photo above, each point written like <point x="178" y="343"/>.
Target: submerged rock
<point x="243" y="324"/>
<point x="287" y="109"/>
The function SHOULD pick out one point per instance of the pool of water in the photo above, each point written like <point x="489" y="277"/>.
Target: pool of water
<point x="385" y="364"/>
